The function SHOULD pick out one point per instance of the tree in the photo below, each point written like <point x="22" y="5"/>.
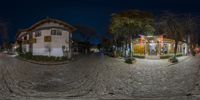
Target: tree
<point x="3" y="33"/>
<point x="173" y="26"/>
<point x="106" y="43"/>
<point x="191" y="28"/>
<point x="86" y="35"/>
<point x="130" y="23"/>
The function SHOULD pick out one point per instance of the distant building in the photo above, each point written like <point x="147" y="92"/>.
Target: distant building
<point x="48" y="37"/>
<point x="80" y="47"/>
<point x="94" y="49"/>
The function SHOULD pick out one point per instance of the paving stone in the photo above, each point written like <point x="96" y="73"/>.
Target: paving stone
<point x="96" y="77"/>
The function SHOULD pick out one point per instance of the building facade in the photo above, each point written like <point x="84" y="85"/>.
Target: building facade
<point x="156" y="46"/>
<point x="48" y="37"/>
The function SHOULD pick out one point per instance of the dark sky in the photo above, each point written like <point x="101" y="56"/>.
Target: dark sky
<point x="21" y="14"/>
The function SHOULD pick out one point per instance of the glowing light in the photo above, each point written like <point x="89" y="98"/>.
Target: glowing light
<point x="149" y="36"/>
<point x="141" y="39"/>
<point x="161" y="40"/>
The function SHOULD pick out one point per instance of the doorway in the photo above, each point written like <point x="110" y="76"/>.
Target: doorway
<point x="152" y="49"/>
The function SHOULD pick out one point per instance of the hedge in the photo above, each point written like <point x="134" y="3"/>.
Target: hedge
<point x="138" y="56"/>
<point x="29" y="56"/>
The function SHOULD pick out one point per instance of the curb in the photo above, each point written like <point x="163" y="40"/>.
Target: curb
<point x="46" y="63"/>
<point x="178" y="62"/>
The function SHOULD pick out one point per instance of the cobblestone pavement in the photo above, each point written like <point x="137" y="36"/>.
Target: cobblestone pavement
<point x="98" y="76"/>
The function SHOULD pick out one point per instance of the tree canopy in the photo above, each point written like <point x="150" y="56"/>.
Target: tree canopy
<point x="131" y="22"/>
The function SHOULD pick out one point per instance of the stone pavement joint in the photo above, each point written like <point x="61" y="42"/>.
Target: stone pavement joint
<point x="97" y="77"/>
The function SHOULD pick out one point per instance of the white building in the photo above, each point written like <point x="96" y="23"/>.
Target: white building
<point x="48" y="37"/>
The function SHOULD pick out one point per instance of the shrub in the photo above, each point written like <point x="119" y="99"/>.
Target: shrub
<point x="173" y="59"/>
<point x="179" y="55"/>
<point x="138" y="56"/>
<point x="129" y="60"/>
<point x="18" y="50"/>
<point x="165" y="56"/>
<point x="29" y="56"/>
<point x="170" y="55"/>
<point x="118" y="54"/>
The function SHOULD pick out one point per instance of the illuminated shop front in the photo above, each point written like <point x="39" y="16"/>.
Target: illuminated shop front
<point x="157" y="46"/>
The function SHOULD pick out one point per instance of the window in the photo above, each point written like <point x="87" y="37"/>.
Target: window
<point x="70" y="35"/>
<point x="38" y="34"/>
<point x="59" y="32"/>
<point x="53" y="32"/>
<point x="25" y="37"/>
<point x="56" y="32"/>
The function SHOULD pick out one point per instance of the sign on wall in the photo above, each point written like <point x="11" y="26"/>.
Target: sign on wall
<point x="47" y="39"/>
<point x="33" y="40"/>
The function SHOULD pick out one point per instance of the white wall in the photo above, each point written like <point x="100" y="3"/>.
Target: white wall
<point x="56" y="44"/>
<point x="57" y="52"/>
<point x="25" y="48"/>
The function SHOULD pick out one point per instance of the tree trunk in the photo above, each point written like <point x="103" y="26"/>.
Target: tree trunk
<point x="123" y="48"/>
<point x="126" y="47"/>
<point x="20" y="46"/>
<point x="115" y="43"/>
<point x="130" y="51"/>
<point x="175" y="48"/>
<point x="192" y="47"/>
<point x="192" y="44"/>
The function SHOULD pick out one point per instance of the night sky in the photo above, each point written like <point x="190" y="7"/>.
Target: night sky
<point x="92" y="13"/>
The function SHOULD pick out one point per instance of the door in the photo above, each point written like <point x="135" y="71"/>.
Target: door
<point x="152" y="49"/>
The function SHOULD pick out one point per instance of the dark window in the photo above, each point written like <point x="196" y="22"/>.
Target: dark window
<point x="59" y="32"/>
<point x="53" y="32"/>
<point x="38" y="34"/>
<point x="25" y="37"/>
<point x="56" y="32"/>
